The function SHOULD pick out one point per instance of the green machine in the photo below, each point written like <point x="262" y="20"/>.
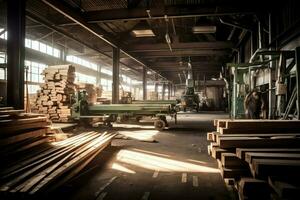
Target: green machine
<point x="190" y="100"/>
<point x="82" y="110"/>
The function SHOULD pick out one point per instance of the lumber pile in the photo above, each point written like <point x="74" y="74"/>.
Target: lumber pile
<point x="93" y="91"/>
<point x="260" y="157"/>
<point x="48" y="167"/>
<point x="20" y="131"/>
<point x="54" y="98"/>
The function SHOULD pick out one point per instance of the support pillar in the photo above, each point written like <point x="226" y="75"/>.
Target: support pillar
<point x="169" y="91"/>
<point x="15" y="53"/>
<point x="144" y="83"/>
<point x="115" y="76"/>
<point x="297" y="57"/>
<point x="163" y="91"/>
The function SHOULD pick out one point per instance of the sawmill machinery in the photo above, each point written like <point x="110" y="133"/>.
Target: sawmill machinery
<point x="82" y="110"/>
<point x="190" y="100"/>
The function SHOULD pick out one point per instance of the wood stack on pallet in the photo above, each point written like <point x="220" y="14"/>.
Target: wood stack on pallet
<point x="20" y="131"/>
<point x="47" y="167"/>
<point x="54" y="98"/>
<point x="92" y="91"/>
<point x="260" y="157"/>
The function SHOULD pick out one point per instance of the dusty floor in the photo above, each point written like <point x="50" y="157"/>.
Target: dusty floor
<point x="176" y="166"/>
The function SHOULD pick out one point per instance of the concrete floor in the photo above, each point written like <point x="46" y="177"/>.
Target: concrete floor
<point x="175" y="166"/>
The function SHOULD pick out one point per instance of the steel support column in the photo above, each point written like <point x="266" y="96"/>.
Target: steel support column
<point x="144" y="83"/>
<point x="297" y="57"/>
<point x="15" y="53"/>
<point x="169" y="91"/>
<point x="115" y="76"/>
<point x="163" y="91"/>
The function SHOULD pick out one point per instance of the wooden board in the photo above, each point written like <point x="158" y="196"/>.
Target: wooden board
<point x="234" y="173"/>
<point x="240" y="152"/>
<point x="263" y="124"/>
<point x="260" y="135"/>
<point x="262" y="168"/>
<point x="283" y="188"/>
<point x="250" y="188"/>
<point x="231" y="161"/>
<point x="249" y="156"/>
<point x="217" y="152"/>
<point x="23" y="136"/>
<point x="255" y="142"/>
<point x="258" y="129"/>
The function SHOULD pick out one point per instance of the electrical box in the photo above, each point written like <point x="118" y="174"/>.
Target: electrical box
<point x="281" y="89"/>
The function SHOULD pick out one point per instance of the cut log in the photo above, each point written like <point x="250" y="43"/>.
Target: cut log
<point x="250" y="188"/>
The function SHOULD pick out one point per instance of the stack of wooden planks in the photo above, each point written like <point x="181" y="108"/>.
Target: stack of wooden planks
<point x="46" y="168"/>
<point x="92" y="91"/>
<point x="261" y="157"/>
<point x="54" y="98"/>
<point x="21" y="131"/>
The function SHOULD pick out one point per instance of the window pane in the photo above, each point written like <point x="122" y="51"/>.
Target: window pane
<point x="56" y="53"/>
<point x="43" y="48"/>
<point x="28" y="43"/>
<point x="35" y="45"/>
<point x="49" y="50"/>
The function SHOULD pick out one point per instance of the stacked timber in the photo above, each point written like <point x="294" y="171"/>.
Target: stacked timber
<point x="261" y="157"/>
<point x="54" y="98"/>
<point x="43" y="169"/>
<point x="21" y="131"/>
<point x="93" y="91"/>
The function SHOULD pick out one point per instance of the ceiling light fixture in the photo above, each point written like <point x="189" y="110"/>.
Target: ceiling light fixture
<point x="204" y="29"/>
<point x="143" y="33"/>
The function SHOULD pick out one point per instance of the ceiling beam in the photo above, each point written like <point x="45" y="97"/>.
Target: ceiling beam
<point x="183" y="53"/>
<point x="159" y="13"/>
<point x="94" y="29"/>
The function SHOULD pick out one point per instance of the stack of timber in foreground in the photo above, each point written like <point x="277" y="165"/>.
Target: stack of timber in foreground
<point x="260" y="157"/>
<point x="43" y="169"/>
<point x="54" y="98"/>
<point x="20" y="131"/>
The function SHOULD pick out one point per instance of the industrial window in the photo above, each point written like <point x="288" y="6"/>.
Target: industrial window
<point x="80" y="61"/>
<point x="2" y="74"/>
<point x="32" y="89"/>
<point x="3" y="35"/>
<point x="35" y="71"/>
<point x="42" y="47"/>
<point x="106" y="71"/>
<point x="82" y="78"/>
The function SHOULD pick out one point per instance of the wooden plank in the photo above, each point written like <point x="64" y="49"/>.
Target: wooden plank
<point x="13" y="129"/>
<point x="251" y="155"/>
<point x="6" y="108"/>
<point x="258" y="129"/>
<point x="250" y="188"/>
<point x="16" y="122"/>
<point x="240" y="152"/>
<point x="263" y="124"/>
<point x="262" y="168"/>
<point x="231" y="161"/>
<point x="11" y="112"/>
<point x="260" y="135"/>
<point x="217" y="152"/>
<point x="284" y="189"/>
<point x="209" y="136"/>
<point x="23" y="136"/>
<point x="255" y="142"/>
<point x="234" y="173"/>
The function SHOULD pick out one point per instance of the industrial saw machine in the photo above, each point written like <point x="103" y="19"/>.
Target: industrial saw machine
<point x="108" y="113"/>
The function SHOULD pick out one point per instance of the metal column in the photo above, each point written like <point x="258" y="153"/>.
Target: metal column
<point x="297" y="58"/>
<point x="115" y="76"/>
<point x="169" y="91"/>
<point x="15" y="53"/>
<point x="163" y="91"/>
<point x="272" y="66"/>
<point x="144" y="83"/>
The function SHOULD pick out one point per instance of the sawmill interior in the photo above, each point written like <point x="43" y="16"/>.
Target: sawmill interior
<point x="149" y="99"/>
